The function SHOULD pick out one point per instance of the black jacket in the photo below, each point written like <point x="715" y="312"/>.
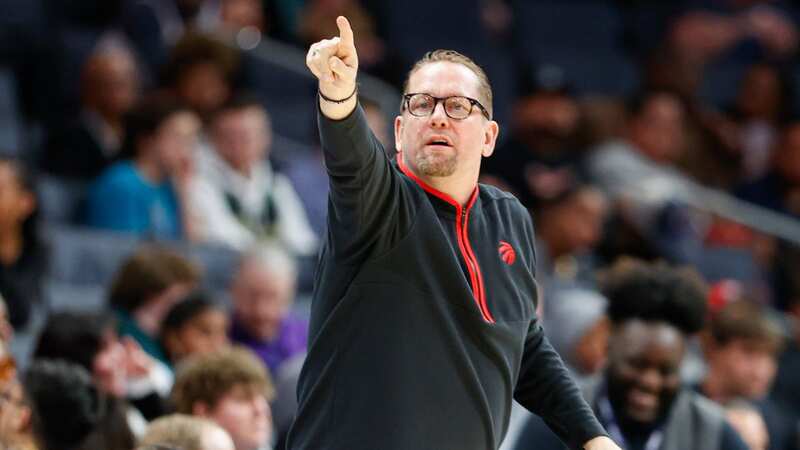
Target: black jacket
<point x="423" y="322"/>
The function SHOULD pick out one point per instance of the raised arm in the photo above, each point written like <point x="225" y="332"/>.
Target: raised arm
<point x="335" y="64"/>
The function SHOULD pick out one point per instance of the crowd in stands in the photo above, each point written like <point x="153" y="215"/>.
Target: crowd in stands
<point x="163" y="199"/>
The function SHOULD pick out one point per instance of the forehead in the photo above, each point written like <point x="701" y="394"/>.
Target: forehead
<point x="637" y="337"/>
<point x="443" y="78"/>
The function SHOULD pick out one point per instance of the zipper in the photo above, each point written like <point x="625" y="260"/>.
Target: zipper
<point x="462" y="233"/>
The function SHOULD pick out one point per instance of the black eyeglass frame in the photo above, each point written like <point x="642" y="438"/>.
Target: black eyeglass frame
<point x="472" y="103"/>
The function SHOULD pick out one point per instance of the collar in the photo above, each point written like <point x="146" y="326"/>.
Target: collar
<point x="445" y="205"/>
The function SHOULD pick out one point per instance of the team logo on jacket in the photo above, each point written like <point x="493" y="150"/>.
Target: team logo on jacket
<point x="507" y="253"/>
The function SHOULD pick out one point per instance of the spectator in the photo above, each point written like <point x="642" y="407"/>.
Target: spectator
<point x="576" y="325"/>
<point x="653" y="310"/>
<point x="15" y="413"/>
<point x="23" y="253"/>
<point x="69" y="413"/>
<point x="779" y="188"/>
<point x="741" y="349"/>
<point x="187" y="433"/>
<point x="786" y="388"/>
<point x="155" y="26"/>
<point x="200" y="72"/>
<point x="195" y="326"/>
<point x="231" y="388"/>
<point x="762" y="105"/>
<point x="569" y="225"/>
<point x="542" y="156"/>
<point x="747" y="421"/>
<point x="147" y="285"/>
<point x="120" y="368"/>
<point x="705" y="33"/>
<point x="145" y="193"/>
<point x="6" y="330"/>
<point x="92" y="141"/>
<point x="238" y="198"/>
<point x="318" y="22"/>
<point x="263" y="291"/>
<point x="639" y="174"/>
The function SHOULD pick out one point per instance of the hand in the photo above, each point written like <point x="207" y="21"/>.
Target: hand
<point x="601" y="443"/>
<point x="137" y="362"/>
<point x="335" y="64"/>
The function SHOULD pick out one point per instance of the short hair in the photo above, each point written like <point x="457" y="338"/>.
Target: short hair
<point x="452" y="56"/>
<point x="655" y="292"/>
<point x="177" y="430"/>
<point x="74" y="336"/>
<point x="207" y="378"/>
<point x="194" y="304"/>
<point x="146" y="117"/>
<point x="146" y="273"/>
<point x="745" y="320"/>
<point x="274" y="257"/>
<point x="198" y="48"/>
<point x="65" y="404"/>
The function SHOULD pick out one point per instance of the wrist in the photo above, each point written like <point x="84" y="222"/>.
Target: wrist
<point x="339" y="101"/>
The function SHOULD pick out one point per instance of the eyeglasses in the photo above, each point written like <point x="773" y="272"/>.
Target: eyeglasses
<point x="456" y="106"/>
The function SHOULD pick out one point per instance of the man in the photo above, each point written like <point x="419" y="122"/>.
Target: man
<point x="92" y="141"/>
<point x="654" y="310"/>
<point x="742" y="349"/>
<point x="238" y="199"/>
<point x="422" y="325"/>
<point x="262" y="292"/>
<point x="231" y="388"/>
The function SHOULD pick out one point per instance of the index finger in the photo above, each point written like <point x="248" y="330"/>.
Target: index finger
<point x="345" y="32"/>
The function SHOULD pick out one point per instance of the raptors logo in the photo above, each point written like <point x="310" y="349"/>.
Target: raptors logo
<point x="507" y="253"/>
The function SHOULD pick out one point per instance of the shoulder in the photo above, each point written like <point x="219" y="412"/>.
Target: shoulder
<point x="490" y="194"/>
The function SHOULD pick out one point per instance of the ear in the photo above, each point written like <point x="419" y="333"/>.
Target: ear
<point x="27" y="203"/>
<point x="398" y="132"/>
<point x="200" y="409"/>
<point x="490" y="138"/>
<point x="173" y="344"/>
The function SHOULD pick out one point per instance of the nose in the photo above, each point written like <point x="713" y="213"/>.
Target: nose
<point x="438" y="118"/>
<point x="651" y="379"/>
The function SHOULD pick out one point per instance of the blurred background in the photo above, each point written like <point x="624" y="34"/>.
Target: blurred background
<point x="156" y="150"/>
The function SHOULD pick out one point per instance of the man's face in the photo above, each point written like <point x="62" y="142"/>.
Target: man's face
<point x="747" y="368"/>
<point x="643" y="372"/>
<point x="261" y="299"/>
<point x="242" y="137"/>
<point x="467" y="140"/>
<point x="246" y="416"/>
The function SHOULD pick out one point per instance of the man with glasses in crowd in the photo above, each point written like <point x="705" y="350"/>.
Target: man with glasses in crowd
<point x="423" y="324"/>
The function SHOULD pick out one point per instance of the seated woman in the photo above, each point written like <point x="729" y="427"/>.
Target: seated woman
<point x="23" y="254"/>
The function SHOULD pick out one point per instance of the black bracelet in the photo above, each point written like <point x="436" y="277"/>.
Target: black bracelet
<point x="328" y="99"/>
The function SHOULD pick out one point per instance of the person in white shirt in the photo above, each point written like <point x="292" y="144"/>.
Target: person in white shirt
<point x="240" y="201"/>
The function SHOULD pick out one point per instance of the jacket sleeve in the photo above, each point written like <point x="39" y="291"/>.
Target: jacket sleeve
<point x="367" y="212"/>
<point x="546" y="389"/>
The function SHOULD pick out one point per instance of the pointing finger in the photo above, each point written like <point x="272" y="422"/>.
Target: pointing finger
<point x="345" y="32"/>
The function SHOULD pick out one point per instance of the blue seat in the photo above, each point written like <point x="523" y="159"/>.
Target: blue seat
<point x="594" y="71"/>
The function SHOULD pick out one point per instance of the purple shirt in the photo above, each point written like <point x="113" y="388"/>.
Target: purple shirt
<point x="292" y="339"/>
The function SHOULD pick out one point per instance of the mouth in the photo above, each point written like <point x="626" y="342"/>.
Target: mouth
<point x="642" y="401"/>
<point x="439" y="141"/>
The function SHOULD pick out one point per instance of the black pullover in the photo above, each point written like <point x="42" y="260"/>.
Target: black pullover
<point x="423" y="323"/>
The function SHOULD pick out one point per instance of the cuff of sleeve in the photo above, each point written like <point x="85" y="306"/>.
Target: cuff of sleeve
<point x="586" y="434"/>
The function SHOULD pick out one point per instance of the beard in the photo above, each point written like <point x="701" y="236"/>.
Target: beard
<point x="436" y="163"/>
